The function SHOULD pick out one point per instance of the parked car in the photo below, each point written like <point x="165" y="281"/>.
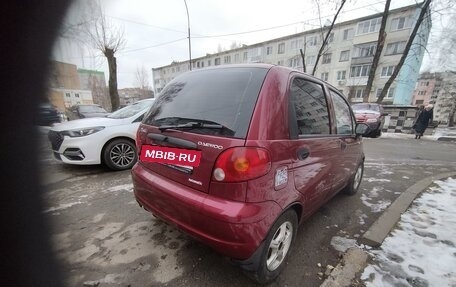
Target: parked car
<point x="273" y="145"/>
<point x="47" y="115"/>
<point x="372" y="114"/>
<point x="109" y="140"/>
<point x="85" y="111"/>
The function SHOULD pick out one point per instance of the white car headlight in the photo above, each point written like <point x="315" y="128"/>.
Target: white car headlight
<point x="371" y="120"/>
<point x="81" y="132"/>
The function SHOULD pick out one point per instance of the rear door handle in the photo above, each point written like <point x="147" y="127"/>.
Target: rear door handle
<point x="343" y="145"/>
<point x="303" y="153"/>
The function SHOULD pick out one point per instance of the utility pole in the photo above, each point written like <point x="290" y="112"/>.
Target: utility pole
<point x="189" y="41"/>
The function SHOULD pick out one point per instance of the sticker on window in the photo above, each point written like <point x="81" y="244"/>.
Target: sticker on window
<point x="169" y="155"/>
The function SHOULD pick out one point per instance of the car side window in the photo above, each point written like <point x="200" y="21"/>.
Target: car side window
<point x="344" y="119"/>
<point x="309" y="105"/>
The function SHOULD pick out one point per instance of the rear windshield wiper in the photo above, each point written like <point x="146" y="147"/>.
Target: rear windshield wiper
<point x="191" y="125"/>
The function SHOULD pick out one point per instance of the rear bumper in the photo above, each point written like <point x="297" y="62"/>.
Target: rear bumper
<point x="234" y="229"/>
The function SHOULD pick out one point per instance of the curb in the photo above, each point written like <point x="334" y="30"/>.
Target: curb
<point x="355" y="259"/>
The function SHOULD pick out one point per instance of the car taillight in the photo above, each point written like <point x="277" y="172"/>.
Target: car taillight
<point x="241" y="163"/>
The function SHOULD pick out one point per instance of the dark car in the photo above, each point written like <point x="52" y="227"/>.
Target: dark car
<point x="47" y="115"/>
<point x="85" y="111"/>
<point x="371" y="114"/>
<point x="238" y="156"/>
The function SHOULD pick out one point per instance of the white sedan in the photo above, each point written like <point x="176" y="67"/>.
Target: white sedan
<point x="109" y="140"/>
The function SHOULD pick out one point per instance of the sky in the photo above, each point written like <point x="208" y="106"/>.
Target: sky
<point x="156" y="31"/>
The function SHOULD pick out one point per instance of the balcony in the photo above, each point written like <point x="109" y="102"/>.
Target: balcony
<point x="362" y="60"/>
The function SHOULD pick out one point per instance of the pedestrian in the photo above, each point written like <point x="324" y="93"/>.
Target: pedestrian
<point x="425" y="117"/>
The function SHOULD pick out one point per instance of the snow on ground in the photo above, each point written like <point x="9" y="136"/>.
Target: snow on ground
<point x="421" y="251"/>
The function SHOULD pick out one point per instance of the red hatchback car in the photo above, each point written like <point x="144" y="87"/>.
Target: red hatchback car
<point x="238" y="156"/>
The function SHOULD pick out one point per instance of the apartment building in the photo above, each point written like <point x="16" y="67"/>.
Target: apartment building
<point x="65" y="87"/>
<point x="95" y="82"/>
<point x="132" y="95"/>
<point x="439" y="89"/>
<point x="346" y="61"/>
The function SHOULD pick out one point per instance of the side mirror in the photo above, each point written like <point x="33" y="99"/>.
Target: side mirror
<point x="362" y="129"/>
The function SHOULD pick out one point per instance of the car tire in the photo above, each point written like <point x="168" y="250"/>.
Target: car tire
<point x="120" y="154"/>
<point x="276" y="248"/>
<point x="354" y="183"/>
<point x="378" y="133"/>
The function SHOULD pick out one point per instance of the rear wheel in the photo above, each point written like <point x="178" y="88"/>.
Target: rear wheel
<point x="276" y="248"/>
<point x="354" y="183"/>
<point x="120" y="154"/>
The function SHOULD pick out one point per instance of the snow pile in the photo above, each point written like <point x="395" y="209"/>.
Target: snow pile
<point x="421" y="251"/>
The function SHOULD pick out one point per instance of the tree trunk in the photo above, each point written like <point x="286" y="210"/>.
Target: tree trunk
<point x="303" y="60"/>
<point x="113" y="93"/>
<point x="378" y="51"/>
<point x="325" y="41"/>
<point x="398" y="67"/>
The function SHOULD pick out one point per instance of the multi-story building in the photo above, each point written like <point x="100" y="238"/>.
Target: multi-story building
<point x="95" y="81"/>
<point x="346" y="60"/>
<point x="425" y="89"/>
<point x="65" y="87"/>
<point x="131" y="95"/>
<point x="439" y="89"/>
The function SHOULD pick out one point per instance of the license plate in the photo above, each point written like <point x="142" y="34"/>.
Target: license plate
<point x="170" y="155"/>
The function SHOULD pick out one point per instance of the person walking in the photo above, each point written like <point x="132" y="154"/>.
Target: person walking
<point x="425" y="117"/>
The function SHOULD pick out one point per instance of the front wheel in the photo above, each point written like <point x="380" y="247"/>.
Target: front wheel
<point x="120" y="154"/>
<point x="354" y="183"/>
<point x="276" y="248"/>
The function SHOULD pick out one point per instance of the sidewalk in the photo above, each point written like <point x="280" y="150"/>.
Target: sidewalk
<point x="419" y="251"/>
<point x="439" y="134"/>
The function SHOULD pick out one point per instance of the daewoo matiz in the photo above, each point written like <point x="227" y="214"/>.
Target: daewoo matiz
<point x="238" y="156"/>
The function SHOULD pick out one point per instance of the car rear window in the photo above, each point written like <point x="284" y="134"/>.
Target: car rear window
<point x="225" y="97"/>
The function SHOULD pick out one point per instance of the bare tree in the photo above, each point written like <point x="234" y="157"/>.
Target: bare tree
<point x="423" y="14"/>
<point x="378" y="50"/>
<point x="142" y="80"/>
<point x="108" y="39"/>
<point x="326" y="38"/>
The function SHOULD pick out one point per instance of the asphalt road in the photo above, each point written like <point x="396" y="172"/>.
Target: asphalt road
<point x="101" y="236"/>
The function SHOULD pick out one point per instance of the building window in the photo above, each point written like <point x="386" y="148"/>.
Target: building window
<point x="245" y="56"/>
<point x="209" y="62"/>
<point x="341" y="75"/>
<point x="387" y="71"/>
<point x="419" y="102"/>
<point x="312" y="41"/>
<point x="269" y="50"/>
<point x="310" y="60"/>
<point x="326" y="58"/>
<point x="67" y="95"/>
<point x="227" y="59"/>
<point x="395" y="48"/>
<point x="217" y="61"/>
<point x="369" y="26"/>
<point x="280" y="63"/>
<point x="236" y="58"/>
<point x="293" y="45"/>
<point x="331" y="38"/>
<point x="281" y="48"/>
<point x="400" y="23"/>
<point x="202" y="64"/>
<point x="359" y="92"/>
<point x="389" y="95"/>
<point x="324" y="76"/>
<point x="344" y="56"/>
<point x="293" y="62"/>
<point x="349" y="34"/>
<point x="364" y="50"/>
<point x="359" y="71"/>
<point x="421" y="93"/>
<point x="76" y="95"/>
